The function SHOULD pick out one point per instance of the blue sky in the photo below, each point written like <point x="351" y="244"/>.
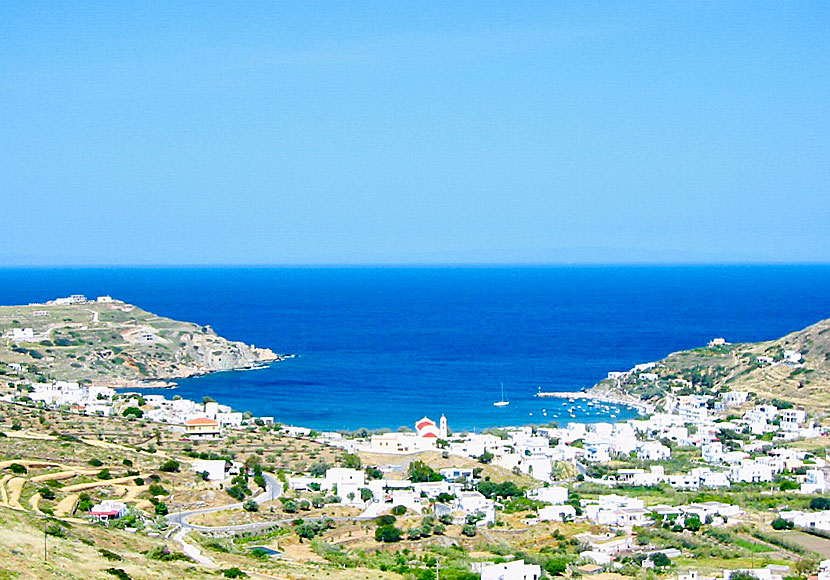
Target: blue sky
<point x="360" y="132"/>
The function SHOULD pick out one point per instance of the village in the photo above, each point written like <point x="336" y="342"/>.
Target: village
<point x="610" y="476"/>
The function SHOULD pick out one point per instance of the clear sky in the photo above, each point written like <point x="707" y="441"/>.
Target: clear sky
<point x="424" y="132"/>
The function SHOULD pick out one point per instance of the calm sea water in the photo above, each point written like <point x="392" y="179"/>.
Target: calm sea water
<point x="381" y="347"/>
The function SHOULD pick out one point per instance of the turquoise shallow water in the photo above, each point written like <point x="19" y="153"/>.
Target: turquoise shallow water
<point x="381" y="347"/>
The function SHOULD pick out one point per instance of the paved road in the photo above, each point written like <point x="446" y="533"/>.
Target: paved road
<point x="273" y="489"/>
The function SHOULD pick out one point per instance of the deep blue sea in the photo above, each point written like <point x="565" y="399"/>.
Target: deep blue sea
<point x="381" y="347"/>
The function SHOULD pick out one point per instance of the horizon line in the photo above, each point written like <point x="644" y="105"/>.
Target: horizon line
<point x="423" y="265"/>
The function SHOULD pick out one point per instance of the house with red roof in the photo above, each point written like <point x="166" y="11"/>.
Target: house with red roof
<point x="202" y="428"/>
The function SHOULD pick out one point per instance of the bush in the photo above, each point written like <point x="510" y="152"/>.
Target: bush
<point x="387" y="534"/>
<point x="110" y="555"/>
<point x="17" y="468"/>
<point x="164" y="554"/>
<point x="55" y="530"/>
<point x="398" y="510"/>
<point x="161" y="509"/>
<point x="250" y="506"/>
<point x="157" y="489"/>
<point x="233" y="573"/>
<point x="469" y="530"/>
<point x="170" y="466"/>
<point x="782" y="524"/>
<point x="104" y="474"/>
<point x="46" y="492"/>
<point x="84" y="503"/>
<point x="820" y="503"/>
<point x="420" y="472"/>
<point x="556" y="566"/>
<point x="133" y="412"/>
<point x="118" y="573"/>
<point x="95" y="462"/>
<point x="661" y="560"/>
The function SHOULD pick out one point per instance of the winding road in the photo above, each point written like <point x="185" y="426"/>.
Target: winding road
<point x="273" y="490"/>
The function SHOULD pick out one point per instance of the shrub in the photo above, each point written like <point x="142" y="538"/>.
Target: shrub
<point x="170" y="466"/>
<point x="820" y="503"/>
<point x="387" y="534"/>
<point x="782" y="524"/>
<point x="17" y="468"/>
<point x="133" y="412"/>
<point x="233" y="573"/>
<point x="84" y="503"/>
<point x="164" y="554"/>
<point x="469" y="530"/>
<point x="398" y="510"/>
<point x="46" y="492"/>
<point x="118" y="573"/>
<point x="661" y="560"/>
<point x="156" y="489"/>
<point x="161" y="509"/>
<point x="95" y="462"/>
<point x="55" y="530"/>
<point x="104" y="474"/>
<point x="251" y="506"/>
<point x="110" y="555"/>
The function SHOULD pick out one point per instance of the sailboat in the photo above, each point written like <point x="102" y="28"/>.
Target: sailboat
<point x="504" y="402"/>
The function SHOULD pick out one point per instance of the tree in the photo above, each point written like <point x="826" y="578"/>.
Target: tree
<point x="373" y="472"/>
<point x="820" y="503"/>
<point x="350" y="461"/>
<point x="170" y="466"/>
<point x="661" y="560"/>
<point x="289" y="506"/>
<point x="469" y="530"/>
<point x="556" y="566"/>
<point x="485" y="457"/>
<point x="366" y="494"/>
<point x="319" y="469"/>
<point x="161" y="509"/>
<point x="788" y="484"/>
<point x="17" y="468"/>
<point x="420" y="472"/>
<point x="233" y="573"/>
<point x="782" y="524"/>
<point x="387" y="534"/>
<point x="157" y="489"/>
<point x="133" y="412"/>
<point x="743" y="575"/>
<point x="250" y="506"/>
<point x="692" y="523"/>
<point x="413" y="533"/>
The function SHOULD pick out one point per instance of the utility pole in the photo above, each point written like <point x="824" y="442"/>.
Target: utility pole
<point x="45" y="553"/>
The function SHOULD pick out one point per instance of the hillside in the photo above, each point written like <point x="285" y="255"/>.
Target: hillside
<point x="761" y="368"/>
<point x="112" y="342"/>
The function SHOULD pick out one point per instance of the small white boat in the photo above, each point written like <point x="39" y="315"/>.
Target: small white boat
<point x="504" y="402"/>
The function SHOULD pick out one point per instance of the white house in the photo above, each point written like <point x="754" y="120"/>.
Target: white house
<point x="108" y="510"/>
<point x="473" y="502"/>
<point x="338" y="476"/>
<point x="653" y="451"/>
<point x="456" y="473"/>
<point x="215" y="468"/>
<point x="23" y="334"/>
<point x="553" y="495"/>
<point x="557" y="513"/>
<point x="515" y="570"/>
<point x="750" y="471"/>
